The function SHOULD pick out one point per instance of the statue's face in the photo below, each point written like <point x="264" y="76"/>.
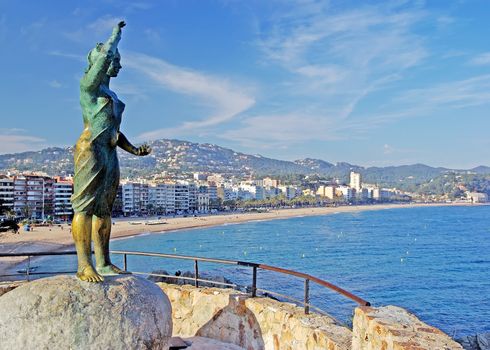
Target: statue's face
<point x="115" y="66"/>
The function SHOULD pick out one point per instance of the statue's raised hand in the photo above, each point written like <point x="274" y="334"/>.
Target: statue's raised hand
<point x="118" y="27"/>
<point x="143" y="150"/>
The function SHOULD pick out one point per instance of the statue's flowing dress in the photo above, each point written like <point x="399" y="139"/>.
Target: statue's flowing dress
<point x="96" y="176"/>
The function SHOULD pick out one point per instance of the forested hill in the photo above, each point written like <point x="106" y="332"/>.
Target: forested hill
<point x="175" y="156"/>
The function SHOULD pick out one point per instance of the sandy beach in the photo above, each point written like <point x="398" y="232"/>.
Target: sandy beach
<point x="58" y="237"/>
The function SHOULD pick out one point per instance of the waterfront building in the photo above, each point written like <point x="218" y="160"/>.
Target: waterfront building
<point x="228" y="193"/>
<point x="383" y="194"/>
<point x="248" y="192"/>
<point x="135" y="198"/>
<point x="213" y="191"/>
<point x="271" y="192"/>
<point x="193" y="205"/>
<point x="170" y="199"/>
<point x="63" y="189"/>
<point x="6" y="192"/>
<point x="181" y="198"/>
<point x="203" y="202"/>
<point x="477" y="197"/>
<point x="33" y="196"/>
<point x="345" y="191"/>
<point x="326" y="191"/>
<point x="355" y="181"/>
<point x="364" y="194"/>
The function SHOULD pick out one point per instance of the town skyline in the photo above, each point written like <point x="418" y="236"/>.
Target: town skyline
<point x="379" y="84"/>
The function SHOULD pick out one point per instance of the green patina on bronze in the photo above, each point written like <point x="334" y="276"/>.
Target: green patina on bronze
<point x="96" y="165"/>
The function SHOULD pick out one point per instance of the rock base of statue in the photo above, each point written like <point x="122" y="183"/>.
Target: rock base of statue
<point x="123" y="312"/>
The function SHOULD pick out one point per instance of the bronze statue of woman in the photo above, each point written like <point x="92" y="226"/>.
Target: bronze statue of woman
<point x="96" y="166"/>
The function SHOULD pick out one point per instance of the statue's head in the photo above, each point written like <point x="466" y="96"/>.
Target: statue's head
<point x="115" y="65"/>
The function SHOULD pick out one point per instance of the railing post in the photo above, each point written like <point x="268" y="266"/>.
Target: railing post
<point x="307" y="296"/>
<point x="196" y="274"/>
<point x="254" y="282"/>
<point x="125" y="262"/>
<point x="28" y="267"/>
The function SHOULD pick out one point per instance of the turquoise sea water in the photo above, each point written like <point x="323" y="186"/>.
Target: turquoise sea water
<point x="434" y="261"/>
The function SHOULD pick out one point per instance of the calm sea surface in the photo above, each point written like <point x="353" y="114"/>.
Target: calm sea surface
<point x="434" y="261"/>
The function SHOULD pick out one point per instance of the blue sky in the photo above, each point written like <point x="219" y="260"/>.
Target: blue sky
<point x="367" y="82"/>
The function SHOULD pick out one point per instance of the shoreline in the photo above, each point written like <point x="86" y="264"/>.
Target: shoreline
<point x="58" y="237"/>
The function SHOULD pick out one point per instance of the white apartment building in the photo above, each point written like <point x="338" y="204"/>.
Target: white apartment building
<point x="162" y="197"/>
<point x="228" y="193"/>
<point x="192" y="197"/>
<point x="345" y="191"/>
<point x="170" y="203"/>
<point x="33" y="196"/>
<point x="181" y="197"/>
<point x="63" y="189"/>
<point x="213" y="191"/>
<point x="381" y="194"/>
<point x="202" y="202"/>
<point x="477" y="197"/>
<point x="7" y="192"/>
<point x="135" y="198"/>
<point x="248" y="192"/>
<point x="355" y="181"/>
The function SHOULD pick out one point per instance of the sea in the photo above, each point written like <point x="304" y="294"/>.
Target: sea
<point x="432" y="261"/>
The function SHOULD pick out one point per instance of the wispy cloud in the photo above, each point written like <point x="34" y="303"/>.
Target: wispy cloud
<point x="227" y="99"/>
<point x="469" y="92"/>
<point x="482" y="59"/>
<point x="272" y="131"/>
<point x="335" y="59"/>
<point x="14" y="140"/>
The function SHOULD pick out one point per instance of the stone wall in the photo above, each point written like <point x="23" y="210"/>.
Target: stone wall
<point x="262" y="323"/>
<point x="252" y="323"/>
<point x="394" y="328"/>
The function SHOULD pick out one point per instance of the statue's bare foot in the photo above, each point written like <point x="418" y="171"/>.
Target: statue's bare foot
<point x="110" y="270"/>
<point x="88" y="274"/>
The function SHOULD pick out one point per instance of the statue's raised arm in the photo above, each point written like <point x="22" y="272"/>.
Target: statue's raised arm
<point x="100" y="58"/>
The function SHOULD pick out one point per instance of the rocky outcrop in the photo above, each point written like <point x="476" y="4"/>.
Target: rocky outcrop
<point x="476" y="342"/>
<point x="394" y="328"/>
<point x="123" y="312"/>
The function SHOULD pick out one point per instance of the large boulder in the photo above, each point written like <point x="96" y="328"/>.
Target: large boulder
<point x="123" y="312"/>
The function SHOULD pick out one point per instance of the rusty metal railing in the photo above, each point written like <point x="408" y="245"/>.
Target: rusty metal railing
<point x="196" y="259"/>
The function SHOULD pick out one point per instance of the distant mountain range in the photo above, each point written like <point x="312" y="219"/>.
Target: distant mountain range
<point x="175" y="156"/>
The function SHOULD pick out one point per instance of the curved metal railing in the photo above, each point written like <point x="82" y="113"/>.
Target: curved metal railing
<point x="196" y="279"/>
